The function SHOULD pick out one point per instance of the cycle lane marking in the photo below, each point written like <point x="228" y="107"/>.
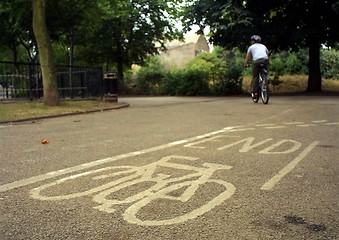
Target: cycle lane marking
<point x="161" y="190"/>
<point x="130" y="215"/>
<point x="42" y="177"/>
<point x="275" y="127"/>
<point x="313" y="123"/>
<point x="306" y="125"/>
<point x="247" y="144"/>
<point x="319" y="121"/>
<point x="288" y="168"/>
<point x="164" y="185"/>
<point x="212" y="139"/>
<point x="293" y="123"/>
<point x="265" y="125"/>
<point x="334" y="123"/>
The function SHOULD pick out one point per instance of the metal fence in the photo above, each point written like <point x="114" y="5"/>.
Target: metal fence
<point x="24" y="81"/>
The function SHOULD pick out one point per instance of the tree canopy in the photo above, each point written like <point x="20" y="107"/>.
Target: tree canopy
<point x="118" y="33"/>
<point x="16" y="29"/>
<point x="129" y="30"/>
<point x="113" y="33"/>
<point x="282" y="24"/>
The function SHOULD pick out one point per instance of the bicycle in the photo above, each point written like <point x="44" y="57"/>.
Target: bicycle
<point x="263" y="89"/>
<point x="106" y="184"/>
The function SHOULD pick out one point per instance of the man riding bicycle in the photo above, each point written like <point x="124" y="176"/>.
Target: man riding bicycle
<point x="259" y="54"/>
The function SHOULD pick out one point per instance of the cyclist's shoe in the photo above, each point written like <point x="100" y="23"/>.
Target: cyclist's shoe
<point x="254" y="95"/>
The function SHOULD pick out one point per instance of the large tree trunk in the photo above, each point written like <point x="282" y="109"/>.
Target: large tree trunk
<point x="51" y="96"/>
<point x="314" y="74"/>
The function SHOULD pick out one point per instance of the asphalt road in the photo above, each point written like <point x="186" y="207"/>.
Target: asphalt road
<point x="175" y="168"/>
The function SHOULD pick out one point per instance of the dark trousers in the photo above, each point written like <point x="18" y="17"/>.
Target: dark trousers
<point x="256" y="69"/>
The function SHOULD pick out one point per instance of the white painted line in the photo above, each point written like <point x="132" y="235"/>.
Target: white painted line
<point x="242" y="129"/>
<point x="275" y="127"/>
<point x="178" y="142"/>
<point x="295" y="146"/>
<point x="265" y="125"/>
<point x="42" y="177"/>
<point x="247" y="146"/>
<point x="334" y="123"/>
<point x="306" y="125"/>
<point x="288" y="168"/>
<point x="211" y="139"/>
<point x="319" y="121"/>
<point x="293" y="123"/>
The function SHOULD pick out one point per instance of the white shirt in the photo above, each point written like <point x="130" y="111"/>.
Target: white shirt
<point x="258" y="51"/>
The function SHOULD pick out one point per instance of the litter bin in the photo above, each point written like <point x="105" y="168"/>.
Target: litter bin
<point x="111" y="86"/>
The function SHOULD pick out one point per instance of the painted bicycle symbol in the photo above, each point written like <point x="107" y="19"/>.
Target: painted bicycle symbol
<point x="160" y="187"/>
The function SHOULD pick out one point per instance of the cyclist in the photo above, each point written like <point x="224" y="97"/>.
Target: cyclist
<point x="259" y="54"/>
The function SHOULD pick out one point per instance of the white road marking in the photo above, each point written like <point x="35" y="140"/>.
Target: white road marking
<point x="124" y="177"/>
<point x="334" y="123"/>
<point x="212" y="139"/>
<point x="42" y="177"/>
<point x="306" y="125"/>
<point x="319" y="121"/>
<point x="275" y="127"/>
<point x="295" y="147"/>
<point x="293" y="123"/>
<point x="247" y="146"/>
<point x="242" y="129"/>
<point x="288" y="168"/>
<point x="265" y="125"/>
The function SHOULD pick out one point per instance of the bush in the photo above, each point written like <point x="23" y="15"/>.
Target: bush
<point x="172" y="83"/>
<point x="191" y="81"/>
<point x="150" y="78"/>
<point x="234" y="72"/>
<point x="277" y="65"/>
<point x="194" y="82"/>
<point x="286" y="62"/>
<point x="330" y="63"/>
<point x="197" y="75"/>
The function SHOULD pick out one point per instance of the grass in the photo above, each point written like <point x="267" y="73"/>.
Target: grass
<point x="13" y="111"/>
<point x="294" y="84"/>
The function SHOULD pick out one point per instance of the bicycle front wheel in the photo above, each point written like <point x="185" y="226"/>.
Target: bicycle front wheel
<point x="255" y="98"/>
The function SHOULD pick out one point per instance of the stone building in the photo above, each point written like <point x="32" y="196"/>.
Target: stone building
<point x="179" y="53"/>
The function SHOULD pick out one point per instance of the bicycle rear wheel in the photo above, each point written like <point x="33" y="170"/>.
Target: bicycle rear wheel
<point x="265" y="93"/>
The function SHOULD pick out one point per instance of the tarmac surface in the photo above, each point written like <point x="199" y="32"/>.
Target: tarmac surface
<point x="175" y="168"/>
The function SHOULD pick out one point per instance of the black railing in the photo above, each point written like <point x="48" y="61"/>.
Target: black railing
<point x="24" y="80"/>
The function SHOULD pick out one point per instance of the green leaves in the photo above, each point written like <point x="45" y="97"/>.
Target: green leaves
<point x="289" y="25"/>
<point x="109" y="32"/>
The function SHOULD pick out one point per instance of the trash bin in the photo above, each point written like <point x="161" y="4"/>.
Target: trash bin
<point x="111" y="86"/>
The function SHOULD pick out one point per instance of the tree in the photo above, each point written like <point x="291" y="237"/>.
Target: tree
<point x="102" y="32"/>
<point x="16" y="28"/>
<point x="72" y="22"/>
<point x="51" y="96"/>
<point x="130" y="30"/>
<point x="289" y="25"/>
